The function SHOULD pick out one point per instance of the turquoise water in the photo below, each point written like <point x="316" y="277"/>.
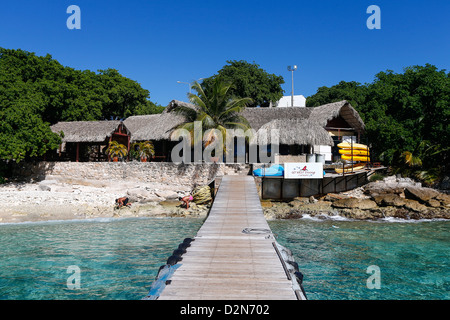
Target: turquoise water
<point x="119" y="259"/>
<point x="413" y="258"/>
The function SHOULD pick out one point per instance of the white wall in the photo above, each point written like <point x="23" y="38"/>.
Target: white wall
<point x="349" y="139"/>
<point x="325" y="150"/>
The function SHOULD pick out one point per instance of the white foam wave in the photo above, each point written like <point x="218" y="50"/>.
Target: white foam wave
<point x="385" y="220"/>
<point x="400" y="220"/>
<point x="326" y="218"/>
<point x="89" y="220"/>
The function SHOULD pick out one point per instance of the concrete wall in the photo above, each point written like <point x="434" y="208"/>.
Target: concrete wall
<point x="160" y="172"/>
<point x="281" y="159"/>
<point x="325" y="150"/>
<point x="279" y="188"/>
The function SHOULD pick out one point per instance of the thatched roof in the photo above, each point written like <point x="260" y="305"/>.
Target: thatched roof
<point x="85" y="131"/>
<point x="257" y="117"/>
<point x="296" y="125"/>
<point x="326" y="112"/>
<point x="153" y="127"/>
<point x="175" y="103"/>
<point x="294" y="131"/>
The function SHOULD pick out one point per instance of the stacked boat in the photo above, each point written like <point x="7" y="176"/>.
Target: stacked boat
<point x="353" y="152"/>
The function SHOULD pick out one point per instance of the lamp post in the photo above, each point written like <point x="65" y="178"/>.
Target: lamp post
<point x="189" y="84"/>
<point x="293" y="68"/>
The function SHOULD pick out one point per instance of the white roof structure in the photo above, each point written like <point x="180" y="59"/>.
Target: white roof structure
<point x="285" y="101"/>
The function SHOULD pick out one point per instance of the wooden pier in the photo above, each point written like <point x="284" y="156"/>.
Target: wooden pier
<point x="234" y="256"/>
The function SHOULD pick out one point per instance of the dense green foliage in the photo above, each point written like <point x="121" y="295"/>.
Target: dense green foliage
<point x="36" y="92"/>
<point x="406" y="112"/>
<point x="249" y="81"/>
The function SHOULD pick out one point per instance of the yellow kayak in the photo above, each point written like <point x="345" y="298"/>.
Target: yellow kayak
<point x="357" y="152"/>
<point x="355" y="158"/>
<point x="347" y="145"/>
<point x="349" y="169"/>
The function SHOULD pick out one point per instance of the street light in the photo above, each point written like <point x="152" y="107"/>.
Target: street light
<point x="189" y="84"/>
<point x="293" y="68"/>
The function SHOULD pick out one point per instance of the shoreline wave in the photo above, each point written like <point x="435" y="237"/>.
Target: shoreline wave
<point x="338" y="218"/>
<point x="306" y="216"/>
<point x="87" y="220"/>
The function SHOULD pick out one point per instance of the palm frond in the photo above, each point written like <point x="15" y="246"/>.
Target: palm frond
<point x="197" y="101"/>
<point x="215" y="109"/>
<point x="411" y="160"/>
<point x="189" y="113"/>
<point x="198" y="87"/>
<point x="240" y="102"/>
<point x="208" y="122"/>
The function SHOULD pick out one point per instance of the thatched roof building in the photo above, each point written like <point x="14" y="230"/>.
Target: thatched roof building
<point x="323" y="114"/>
<point x="89" y="133"/>
<point x="158" y="127"/>
<point x="85" y="131"/>
<point x="296" y="126"/>
<point x="257" y="117"/>
<point x="153" y="127"/>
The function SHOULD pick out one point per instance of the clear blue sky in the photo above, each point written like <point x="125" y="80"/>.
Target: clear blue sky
<point x="158" y="43"/>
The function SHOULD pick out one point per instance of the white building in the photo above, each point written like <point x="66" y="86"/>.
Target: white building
<point x="286" y="101"/>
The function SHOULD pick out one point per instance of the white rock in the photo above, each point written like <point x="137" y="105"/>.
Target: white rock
<point x="167" y="194"/>
<point x="44" y="187"/>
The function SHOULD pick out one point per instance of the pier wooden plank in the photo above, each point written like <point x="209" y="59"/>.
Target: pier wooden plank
<point x="226" y="263"/>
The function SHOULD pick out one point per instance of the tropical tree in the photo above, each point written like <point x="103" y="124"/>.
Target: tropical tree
<point x="249" y="80"/>
<point x="216" y="109"/>
<point x="400" y="110"/>
<point x="423" y="163"/>
<point x="352" y="91"/>
<point x="37" y="91"/>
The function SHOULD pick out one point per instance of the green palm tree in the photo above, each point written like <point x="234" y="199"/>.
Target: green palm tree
<point x="216" y="110"/>
<point x="424" y="151"/>
<point x="411" y="159"/>
<point x="422" y="162"/>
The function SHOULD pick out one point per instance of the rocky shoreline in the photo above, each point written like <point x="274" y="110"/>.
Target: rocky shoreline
<point x="389" y="198"/>
<point x="63" y="199"/>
